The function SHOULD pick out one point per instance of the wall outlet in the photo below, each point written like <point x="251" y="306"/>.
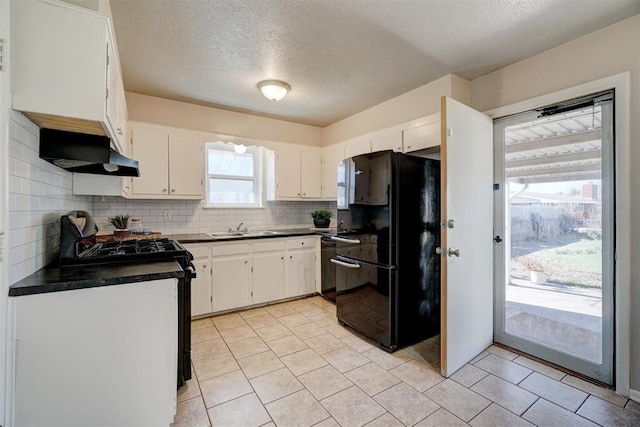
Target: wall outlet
<point x="166" y="215"/>
<point x="281" y="212"/>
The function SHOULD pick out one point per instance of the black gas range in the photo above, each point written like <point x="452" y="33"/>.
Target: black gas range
<point x="79" y="246"/>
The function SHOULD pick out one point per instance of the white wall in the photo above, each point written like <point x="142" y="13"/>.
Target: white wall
<point x="39" y="193"/>
<point x="191" y="217"/>
<point x="604" y="53"/>
<point x="207" y="119"/>
<point x="411" y="105"/>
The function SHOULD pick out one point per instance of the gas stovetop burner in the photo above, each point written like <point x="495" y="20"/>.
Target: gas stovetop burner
<point x="128" y="250"/>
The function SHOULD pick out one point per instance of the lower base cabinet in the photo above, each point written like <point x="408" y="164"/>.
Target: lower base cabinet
<point x="233" y="275"/>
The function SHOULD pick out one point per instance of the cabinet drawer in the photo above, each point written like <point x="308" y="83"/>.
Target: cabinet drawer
<point x="301" y="242"/>
<point x="198" y="251"/>
<point x="230" y="249"/>
<point x="269" y="245"/>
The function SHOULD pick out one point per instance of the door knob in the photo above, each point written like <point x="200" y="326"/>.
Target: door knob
<point x="454" y="252"/>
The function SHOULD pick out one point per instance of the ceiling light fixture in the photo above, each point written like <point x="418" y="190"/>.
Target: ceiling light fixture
<point x="274" y="90"/>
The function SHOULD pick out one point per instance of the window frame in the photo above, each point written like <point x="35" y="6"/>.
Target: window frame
<point x="256" y="178"/>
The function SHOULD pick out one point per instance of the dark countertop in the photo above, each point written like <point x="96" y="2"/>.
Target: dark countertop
<point x="203" y="238"/>
<point x="55" y="279"/>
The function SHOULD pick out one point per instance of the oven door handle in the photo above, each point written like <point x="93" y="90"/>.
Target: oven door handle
<point x="345" y="240"/>
<point x="345" y="264"/>
<point x="191" y="270"/>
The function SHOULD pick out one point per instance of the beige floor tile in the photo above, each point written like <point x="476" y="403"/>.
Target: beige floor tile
<point x="601" y="392"/>
<point x="213" y="366"/>
<point x="279" y="310"/>
<point x="427" y="351"/>
<point x="345" y="359"/>
<point x="633" y="406"/>
<point x="262" y="321"/>
<point x="201" y="323"/>
<point x="298" y="409"/>
<point x="608" y="414"/>
<point x="303" y="361"/>
<point x="324" y="343"/>
<point x="499" y="351"/>
<point x="545" y="414"/>
<point x="223" y="388"/>
<point x="372" y="379"/>
<point x="247" y="314"/>
<point x="228" y="321"/>
<point x="479" y="357"/>
<point x="246" y="411"/>
<point x="352" y="407"/>
<point x="339" y="331"/>
<point x="458" y="400"/>
<point x="417" y="375"/>
<point x="440" y="418"/>
<point x="503" y="368"/>
<point x="385" y="420"/>
<point x="539" y="367"/>
<point x="204" y="334"/>
<point x="468" y="375"/>
<point x="286" y="345"/>
<point x="295" y="319"/>
<point x="324" y="382"/>
<point x="358" y="343"/>
<point x="505" y="394"/>
<point x="191" y="413"/>
<point x="276" y="384"/>
<point x="247" y="347"/>
<point x="328" y="422"/>
<point x="310" y="310"/>
<point x="495" y="415"/>
<point x="554" y="391"/>
<point x="237" y="334"/>
<point x="274" y="332"/>
<point x="208" y="349"/>
<point x="260" y="364"/>
<point x="307" y="330"/>
<point x="189" y="390"/>
<point x="324" y="319"/>
<point x="385" y="360"/>
<point x="406" y="404"/>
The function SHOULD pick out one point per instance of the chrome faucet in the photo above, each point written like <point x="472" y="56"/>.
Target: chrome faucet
<point x="240" y="225"/>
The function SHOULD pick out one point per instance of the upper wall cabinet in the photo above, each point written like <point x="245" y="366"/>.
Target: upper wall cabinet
<point x="357" y="147"/>
<point x="298" y="172"/>
<point x="391" y="140"/>
<point x="171" y="162"/>
<point x="331" y="158"/>
<point x="64" y="70"/>
<point x="423" y="136"/>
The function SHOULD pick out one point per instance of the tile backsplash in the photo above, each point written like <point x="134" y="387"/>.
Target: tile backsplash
<point x="186" y="216"/>
<point x="39" y="193"/>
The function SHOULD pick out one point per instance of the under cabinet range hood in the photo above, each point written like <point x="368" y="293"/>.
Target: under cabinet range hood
<point x="79" y="152"/>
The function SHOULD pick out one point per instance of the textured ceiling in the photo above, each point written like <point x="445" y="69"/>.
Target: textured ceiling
<point x="339" y="56"/>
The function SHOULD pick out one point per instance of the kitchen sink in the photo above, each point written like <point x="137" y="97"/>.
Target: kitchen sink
<point x="241" y="234"/>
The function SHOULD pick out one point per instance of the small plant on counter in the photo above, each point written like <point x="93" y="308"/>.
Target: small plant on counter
<point x="120" y="222"/>
<point x="321" y="218"/>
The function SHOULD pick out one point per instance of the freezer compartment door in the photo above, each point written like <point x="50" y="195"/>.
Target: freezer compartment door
<point x="365" y="299"/>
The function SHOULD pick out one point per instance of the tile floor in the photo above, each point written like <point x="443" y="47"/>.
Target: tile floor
<point x="291" y="364"/>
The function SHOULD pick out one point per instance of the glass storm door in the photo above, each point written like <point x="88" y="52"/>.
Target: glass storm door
<point x="554" y="234"/>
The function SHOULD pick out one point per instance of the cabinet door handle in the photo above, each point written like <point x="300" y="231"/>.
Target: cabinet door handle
<point x="282" y="258"/>
<point x="290" y="256"/>
<point x="119" y="131"/>
<point x="173" y="190"/>
<point x="164" y="190"/>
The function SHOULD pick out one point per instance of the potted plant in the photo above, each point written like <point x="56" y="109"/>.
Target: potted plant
<point x="120" y="222"/>
<point x="321" y="218"/>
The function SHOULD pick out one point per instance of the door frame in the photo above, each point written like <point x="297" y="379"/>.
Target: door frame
<point x="622" y="165"/>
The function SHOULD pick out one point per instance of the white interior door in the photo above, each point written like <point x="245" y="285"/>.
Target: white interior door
<point x="466" y="239"/>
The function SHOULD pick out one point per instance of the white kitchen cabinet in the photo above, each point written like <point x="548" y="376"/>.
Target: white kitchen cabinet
<point x="298" y="173"/>
<point x="238" y="274"/>
<point x="301" y="266"/>
<point x="171" y="162"/>
<point x="423" y="136"/>
<point x="201" y="291"/>
<point x="357" y="147"/>
<point x="98" y="356"/>
<point x="382" y="141"/>
<point x="60" y="53"/>
<point x="331" y="158"/>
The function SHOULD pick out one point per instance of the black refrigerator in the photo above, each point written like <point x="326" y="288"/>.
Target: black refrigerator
<point x="387" y="269"/>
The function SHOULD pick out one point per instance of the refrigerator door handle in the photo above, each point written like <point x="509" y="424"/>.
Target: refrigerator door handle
<point x="345" y="240"/>
<point x="345" y="264"/>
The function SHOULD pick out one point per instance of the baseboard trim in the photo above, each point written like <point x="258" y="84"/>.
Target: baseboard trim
<point x="634" y="395"/>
